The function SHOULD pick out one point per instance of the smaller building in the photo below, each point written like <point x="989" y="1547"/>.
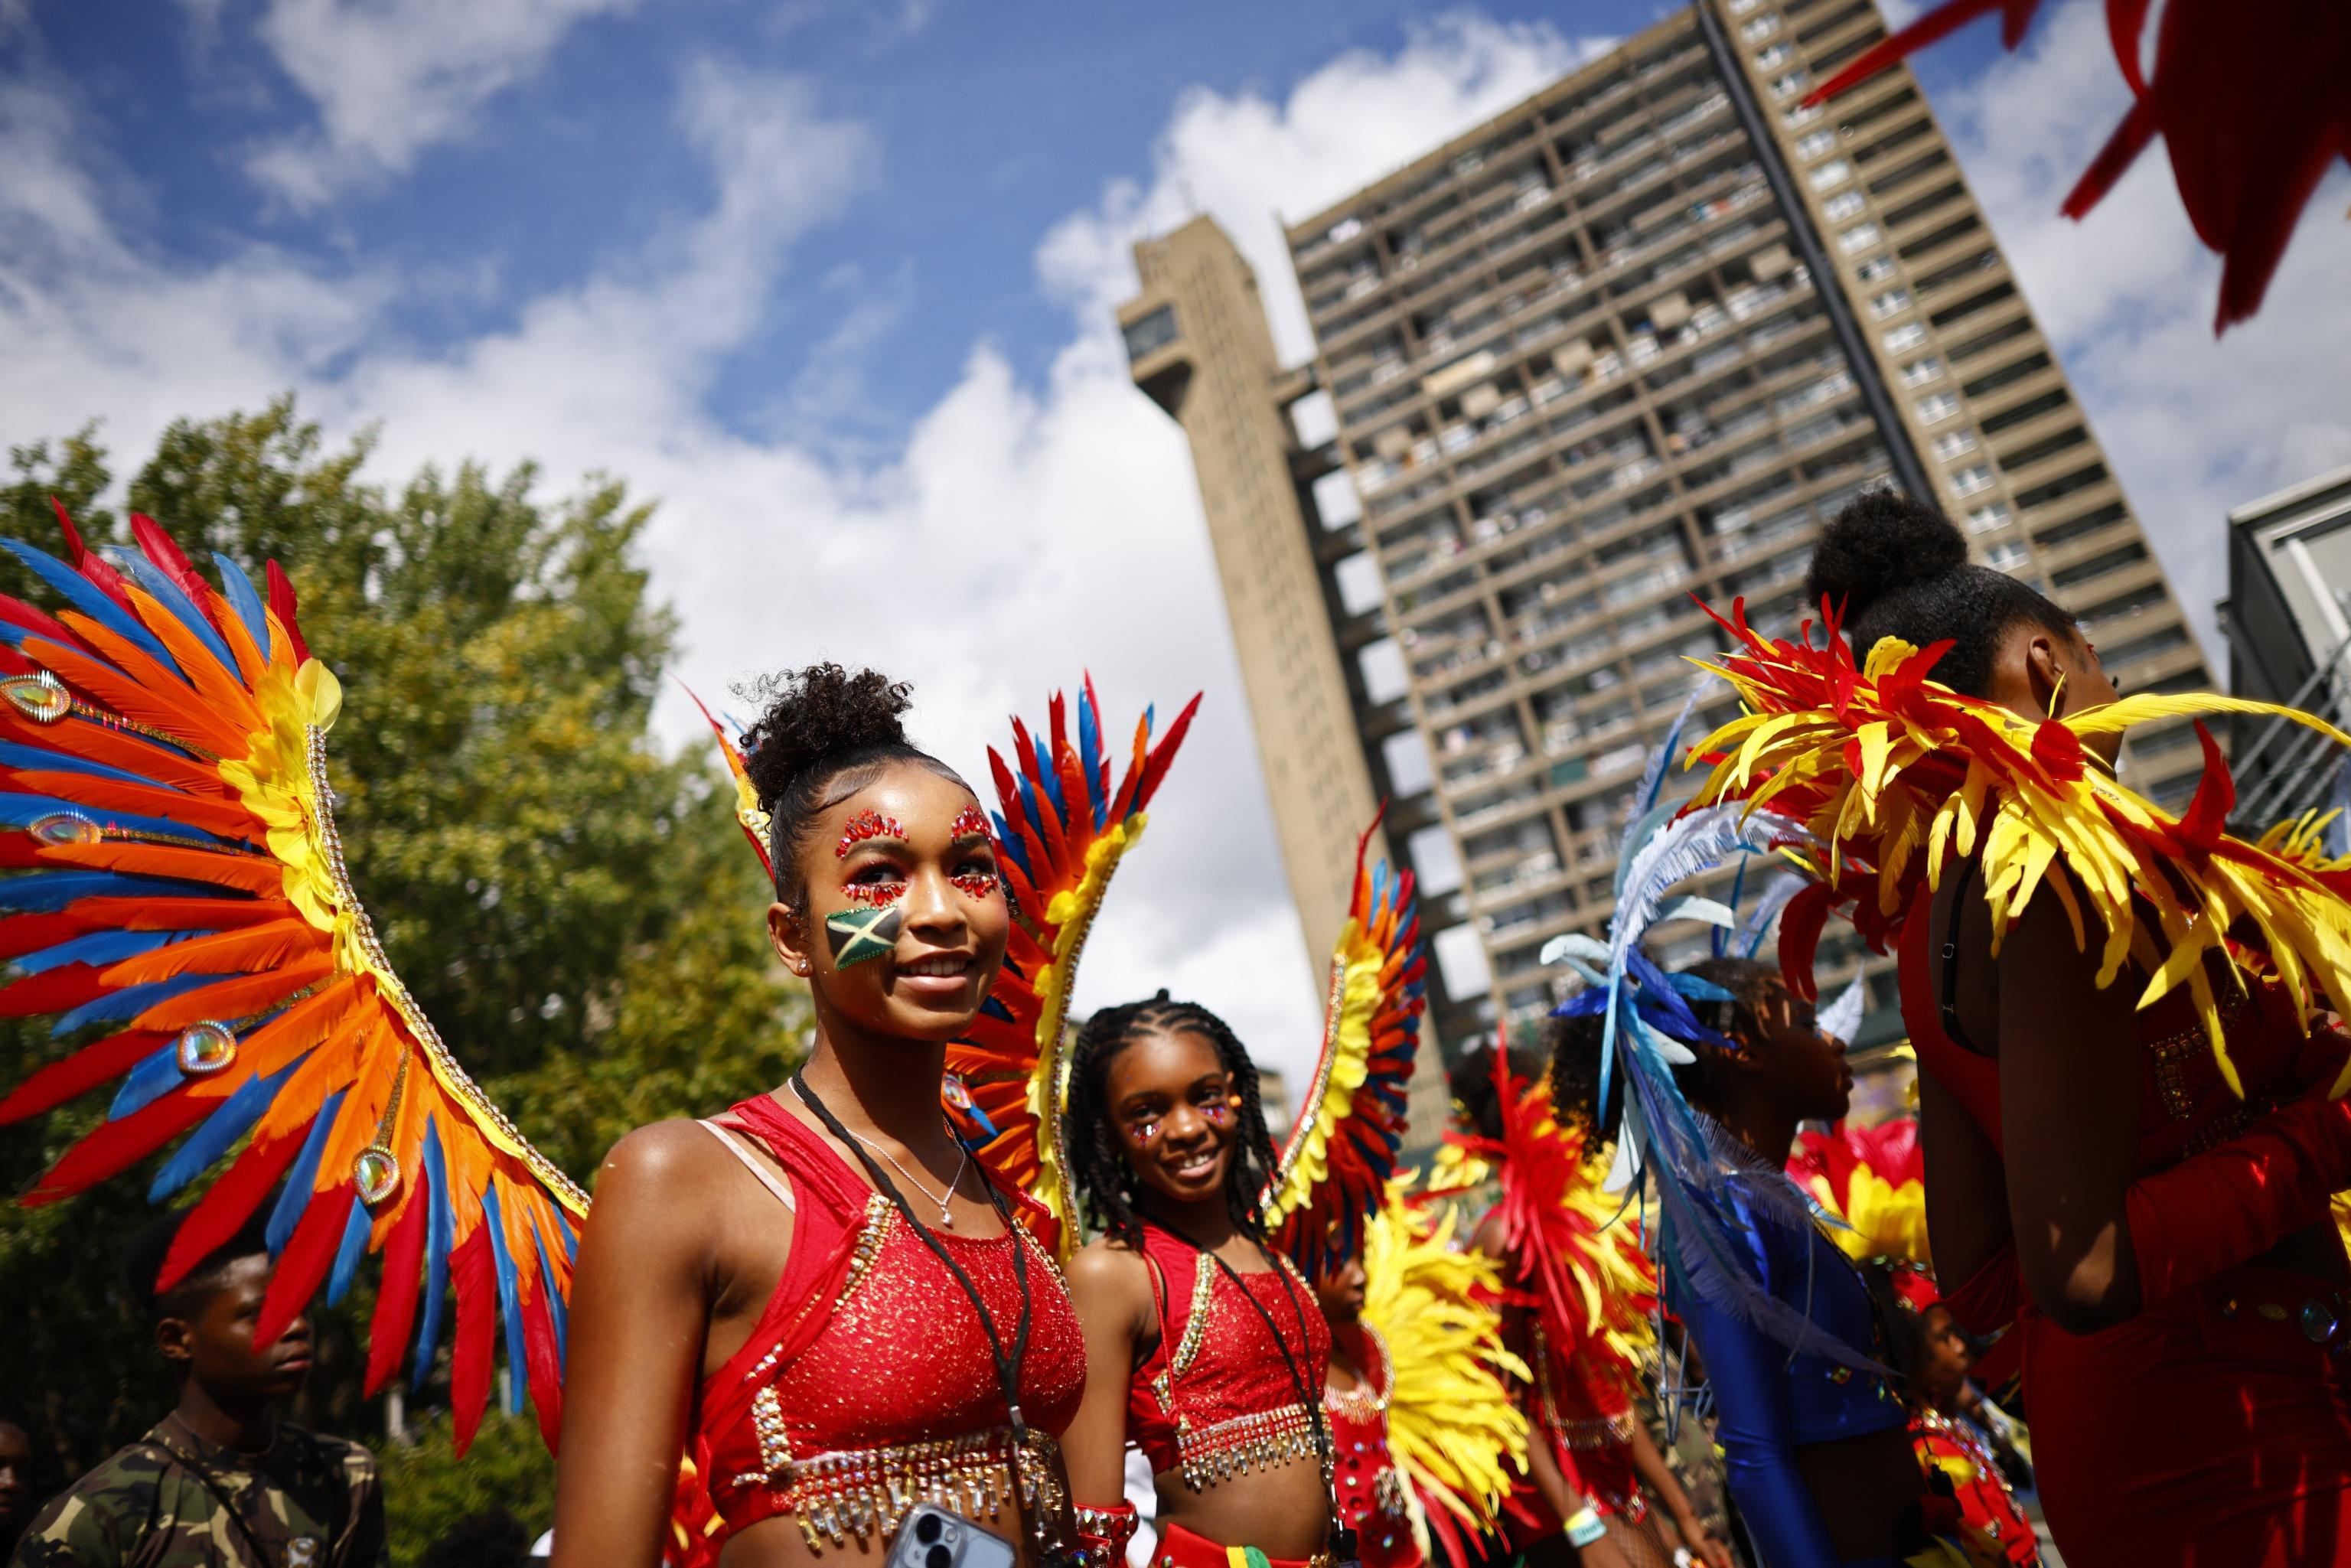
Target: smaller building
<point x="2288" y="622"/>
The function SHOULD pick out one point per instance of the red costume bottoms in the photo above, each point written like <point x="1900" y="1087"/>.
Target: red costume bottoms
<point x="1182" y="1548"/>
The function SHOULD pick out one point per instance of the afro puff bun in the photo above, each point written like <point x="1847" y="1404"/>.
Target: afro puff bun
<point x="819" y="712"/>
<point x="1881" y="542"/>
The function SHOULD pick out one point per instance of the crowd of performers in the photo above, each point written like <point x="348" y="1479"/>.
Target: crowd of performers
<point x="969" y="1257"/>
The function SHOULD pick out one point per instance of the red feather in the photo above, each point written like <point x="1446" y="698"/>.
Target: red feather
<point x="230" y="1202"/>
<point x="396" y="1302"/>
<point x="162" y="549"/>
<point x="95" y="568"/>
<point x="1165" y="753"/>
<point x="51" y="992"/>
<point x="2207" y="817"/>
<point x="77" y="1075"/>
<point x="302" y="1267"/>
<point x="23" y="934"/>
<point x="117" y="1145"/>
<point x="475" y="1277"/>
<point x="283" y="605"/>
<point x="1800" y="936"/>
<point x="546" y="1372"/>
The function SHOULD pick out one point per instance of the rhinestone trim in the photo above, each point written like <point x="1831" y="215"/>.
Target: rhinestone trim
<point x="1260" y="1440"/>
<point x="865" y="1492"/>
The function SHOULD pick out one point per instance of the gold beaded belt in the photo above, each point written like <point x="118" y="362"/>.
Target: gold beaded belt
<point x="1261" y="1440"/>
<point x="865" y="1492"/>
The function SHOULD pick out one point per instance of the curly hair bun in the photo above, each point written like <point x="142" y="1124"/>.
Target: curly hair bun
<point x="817" y="713"/>
<point x="1879" y="543"/>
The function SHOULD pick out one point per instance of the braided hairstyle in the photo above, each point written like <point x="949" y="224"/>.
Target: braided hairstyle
<point x="1893" y="566"/>
<point x="1104" y="1179"/>
<point x="824" y="735"/>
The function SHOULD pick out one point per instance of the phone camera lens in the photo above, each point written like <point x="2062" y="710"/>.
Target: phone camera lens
<point x="938" y="1557"/>
<point x="927" y="1530"/>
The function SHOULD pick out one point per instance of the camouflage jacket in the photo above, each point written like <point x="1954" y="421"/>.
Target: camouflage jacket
<point x="174" y="1501"/>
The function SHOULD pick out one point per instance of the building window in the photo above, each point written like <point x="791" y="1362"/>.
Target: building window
<point x="1967" y="481"/>
<point x="1789" y="86"/>
<point x="1887" y="303"/>
<point x="1832" y="174"/>
<point x="1344" y="230"/>
<point x="1954" y="444"/>
<point x="1803" y="114"/>
<point x="1858" y="237"/>
<point x="1874" y="268"/>
<point x="1148" y="334"/>
<point x="1761" y="28"/>
<point x="1920" y="371"/>
<point x="1766" y="59"/>
<point x="1936" y="409"/>
<point x="1983" y="519"/>
<point x="1816" y="143"/>
<point x="1907" y="335"/>
<point x="1841" y="207"/>
<point x="2006" y="556"/>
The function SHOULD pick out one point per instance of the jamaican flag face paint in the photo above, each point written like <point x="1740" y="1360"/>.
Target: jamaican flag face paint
<point x="857" y="935"/>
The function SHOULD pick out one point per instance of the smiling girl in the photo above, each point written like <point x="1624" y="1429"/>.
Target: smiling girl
<point x="1205" y="1346"/>
<point x="821" y="1298"/>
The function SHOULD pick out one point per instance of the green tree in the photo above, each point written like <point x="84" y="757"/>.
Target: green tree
<point x="573" y="905"/>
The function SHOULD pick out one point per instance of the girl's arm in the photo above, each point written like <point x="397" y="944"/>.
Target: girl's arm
<point x="1666" y="1488"/>
<point x="1748" y="1372"/>
<point x="1111" y="1288"/>
<point x="640" y="1312"/>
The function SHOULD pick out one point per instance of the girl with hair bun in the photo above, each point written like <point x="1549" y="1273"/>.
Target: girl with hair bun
<point x="2130" y="1143"/>
<point x="1205" y="1346"/>
<point x="820" y="1296"/>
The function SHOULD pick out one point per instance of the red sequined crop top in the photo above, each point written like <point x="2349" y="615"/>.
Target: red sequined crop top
<point x="868" y="1385"/>
<point x="1216" y="1396"/>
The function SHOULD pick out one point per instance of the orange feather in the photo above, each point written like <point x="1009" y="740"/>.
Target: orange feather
<point x="212" y="816"/>
<point x="215" y="686"/>
<point x="257" y="874"/>
<point x="243" y="997"/>
<point x="245" y="952"/>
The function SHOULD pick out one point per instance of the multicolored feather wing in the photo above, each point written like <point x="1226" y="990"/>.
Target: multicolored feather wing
<point x="1342" y="1151"/>
<point x="1060" y="829"/>
<point x="182" y="898"/>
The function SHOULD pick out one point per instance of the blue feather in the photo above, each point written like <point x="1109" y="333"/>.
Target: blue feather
<point x="509" y="1307"/>
<point x="563" y="1226"/>
<point x="219" y="1132"/>
<point x="1011" y="844"/>
<point x="556" y="1312"/>
<point x="292" y="1201"/>
<point x="439" y="1235"/>
<point x="239" y="591"/>
<point x="157" y="1074"/>
<point x="175" y="598"/>
<point x="97" y="949"/>
<point x="1052" y="776"/>
<point x="45" y="891"/>
<point x="1653" y="777"/>
<point x="86" y="597"/>
<point x="41" y="759"/>
<point x="128" y="1003"/>
<point x="356" y="1230"/>
<point x="1090" y="757"/>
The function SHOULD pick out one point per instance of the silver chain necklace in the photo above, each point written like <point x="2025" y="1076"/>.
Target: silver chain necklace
<point x="946" y="1217"/>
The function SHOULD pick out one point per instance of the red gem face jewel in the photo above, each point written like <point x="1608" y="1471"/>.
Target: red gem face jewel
<point x="967" y="822"/>
<point x="864" y="826"/>
<point x="874" y="892"/>
<point x="976" y="885"/>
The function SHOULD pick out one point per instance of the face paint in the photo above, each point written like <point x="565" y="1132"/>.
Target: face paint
<point x="864" y="826"/>
<point x="857" y="935"/>
<point x="966" y="822"/>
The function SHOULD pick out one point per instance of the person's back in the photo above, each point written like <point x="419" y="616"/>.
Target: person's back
<point x="220" y="1482"/>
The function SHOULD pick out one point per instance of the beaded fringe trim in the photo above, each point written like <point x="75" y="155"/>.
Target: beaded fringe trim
<point x="1261" y="1440"/>
<point x="865" y="1492"/>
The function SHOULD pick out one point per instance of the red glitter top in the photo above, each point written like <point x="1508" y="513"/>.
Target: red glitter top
<point x="1215" y="1393"/>
<point x="869" y="1342"/>
<point x="1372" y="1492"/>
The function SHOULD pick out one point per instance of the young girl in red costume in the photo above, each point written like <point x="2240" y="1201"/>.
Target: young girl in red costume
<point x="820" y="1296"/>
<point x="2142" y="1190"/>
<point x="1205" y="1344"/>
<point x="1578" y="1314"/>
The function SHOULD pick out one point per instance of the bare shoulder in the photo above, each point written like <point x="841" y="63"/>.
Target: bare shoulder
<point x="663" y="1165"/>
<point x="1110" y="1273"/>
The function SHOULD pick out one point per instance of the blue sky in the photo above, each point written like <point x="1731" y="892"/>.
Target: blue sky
<point x="832" y="282"/>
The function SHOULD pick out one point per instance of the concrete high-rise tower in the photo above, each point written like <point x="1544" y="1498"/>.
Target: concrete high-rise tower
<point x="1631" y="340"/>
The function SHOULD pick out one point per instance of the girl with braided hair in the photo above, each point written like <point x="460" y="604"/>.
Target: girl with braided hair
<point x="1205" y="1347"/>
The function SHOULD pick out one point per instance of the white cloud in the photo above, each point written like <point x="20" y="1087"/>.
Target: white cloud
<point x="391" y="78"/>
<point x="1022" y="535"/>
<point x="2193" y="427"/>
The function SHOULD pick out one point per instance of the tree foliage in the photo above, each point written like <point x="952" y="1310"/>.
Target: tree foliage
<point x="570" y="903"/>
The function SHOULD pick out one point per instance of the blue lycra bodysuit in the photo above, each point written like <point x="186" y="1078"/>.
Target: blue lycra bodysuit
<point x="1770" y="1405"/>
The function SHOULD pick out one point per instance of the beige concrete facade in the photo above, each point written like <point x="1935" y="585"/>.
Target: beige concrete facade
<point x="1631" y="340"/>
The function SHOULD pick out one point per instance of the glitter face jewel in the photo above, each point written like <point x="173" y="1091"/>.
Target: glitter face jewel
<point x="875" y="893"/>
<point x="858" y="935"/>
<point x="1141" y="1133"/>
<point x="864" y="826"/>
<point x="975" y="884"/>
<point x="966" y="822"/>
